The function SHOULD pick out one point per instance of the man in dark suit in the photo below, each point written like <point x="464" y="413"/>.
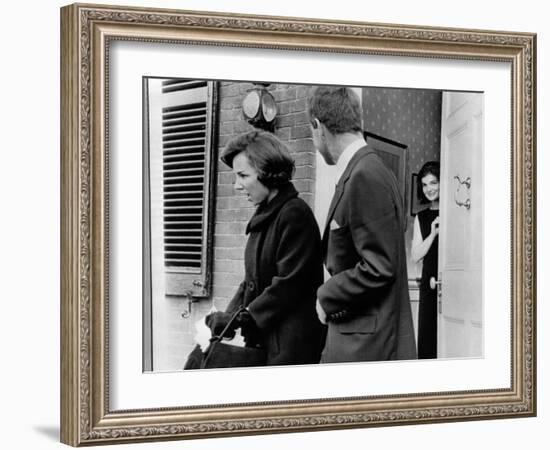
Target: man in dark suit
<point x="365" y="303"/>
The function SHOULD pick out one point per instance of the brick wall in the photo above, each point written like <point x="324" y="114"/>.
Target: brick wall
<point x="233" y="211"/>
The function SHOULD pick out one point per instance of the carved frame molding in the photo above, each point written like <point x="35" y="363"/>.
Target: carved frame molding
<point x="86" y="33"/>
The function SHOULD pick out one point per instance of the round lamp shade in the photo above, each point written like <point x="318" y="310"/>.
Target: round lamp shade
<point x="269" y="108"/>
<point x="251" y="104"/>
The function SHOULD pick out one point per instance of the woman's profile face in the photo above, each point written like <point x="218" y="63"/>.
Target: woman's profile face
<point x="246" y="180"/>
<point x="430" y="187"/>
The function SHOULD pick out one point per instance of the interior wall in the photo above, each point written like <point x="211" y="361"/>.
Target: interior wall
<point x="411" y="117"/>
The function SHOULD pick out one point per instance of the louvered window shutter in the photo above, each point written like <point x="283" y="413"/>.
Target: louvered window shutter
<point x="184" y="146"/>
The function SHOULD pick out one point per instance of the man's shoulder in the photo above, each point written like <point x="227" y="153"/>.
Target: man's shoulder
<point x="368" y="159"/>
<point x="368" y="165"/>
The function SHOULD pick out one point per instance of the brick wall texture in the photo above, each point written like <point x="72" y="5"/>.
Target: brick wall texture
<point x="233" y="211"/>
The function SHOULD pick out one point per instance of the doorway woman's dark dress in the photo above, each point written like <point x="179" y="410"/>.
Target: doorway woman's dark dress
<point x="427" y="310"/>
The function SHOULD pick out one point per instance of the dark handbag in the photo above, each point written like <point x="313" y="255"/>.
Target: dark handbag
<point x="222" y="355"/>
<point x="194" y="359"/>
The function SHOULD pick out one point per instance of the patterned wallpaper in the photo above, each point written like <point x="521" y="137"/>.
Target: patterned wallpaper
<point x="409" y="116"/>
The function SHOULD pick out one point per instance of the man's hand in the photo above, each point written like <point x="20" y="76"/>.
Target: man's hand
<point x="321" y="313"/>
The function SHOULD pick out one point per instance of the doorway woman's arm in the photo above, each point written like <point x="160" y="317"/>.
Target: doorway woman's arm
<point x="419" y="246"/>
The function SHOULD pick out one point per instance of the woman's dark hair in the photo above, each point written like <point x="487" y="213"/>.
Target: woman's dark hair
<point x="430" y="168"/>
<point x="266" y="153"/>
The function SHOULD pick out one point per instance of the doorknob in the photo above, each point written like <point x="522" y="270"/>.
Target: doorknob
<point x="434" y="283"/>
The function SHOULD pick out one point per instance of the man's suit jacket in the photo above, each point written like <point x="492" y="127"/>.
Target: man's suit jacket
<point x="367" y="297"/>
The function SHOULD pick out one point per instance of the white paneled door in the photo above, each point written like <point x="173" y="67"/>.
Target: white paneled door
<point x="460" y="290"/>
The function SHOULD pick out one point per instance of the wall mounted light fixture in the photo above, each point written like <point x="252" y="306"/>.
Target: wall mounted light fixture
<point x="259" y="107"/>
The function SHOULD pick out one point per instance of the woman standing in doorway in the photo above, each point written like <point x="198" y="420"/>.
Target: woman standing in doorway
<point x="425" y="249"/>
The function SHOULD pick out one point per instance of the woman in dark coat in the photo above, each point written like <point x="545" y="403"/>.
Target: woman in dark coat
<point x="283" y="264"/>
<point x="425" y="249"/>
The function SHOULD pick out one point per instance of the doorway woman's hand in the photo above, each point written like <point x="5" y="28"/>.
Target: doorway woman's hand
<point x="435" y="227"/>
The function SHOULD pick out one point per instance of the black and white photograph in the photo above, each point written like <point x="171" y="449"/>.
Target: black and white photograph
<point x="294" y="224"/>
<point x="277" y="224"/>
<point x="167" y="172"/>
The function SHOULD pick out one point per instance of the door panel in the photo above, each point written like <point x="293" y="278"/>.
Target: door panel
<point x="460" y="321"/>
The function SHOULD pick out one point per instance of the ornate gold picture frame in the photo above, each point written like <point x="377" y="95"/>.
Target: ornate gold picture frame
<point x="87" y="415"/>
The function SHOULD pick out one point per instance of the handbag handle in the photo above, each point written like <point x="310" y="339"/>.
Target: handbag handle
<point x="233" y="318"/>
<point x="220" y="337"/>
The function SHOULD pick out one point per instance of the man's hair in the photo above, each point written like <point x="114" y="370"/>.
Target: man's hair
<point x="429" y="168"/>
<point x="337" y="108"/>
<point x="266" y="153"/>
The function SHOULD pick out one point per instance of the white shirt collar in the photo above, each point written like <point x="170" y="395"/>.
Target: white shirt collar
<point x="346" y="156"/>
